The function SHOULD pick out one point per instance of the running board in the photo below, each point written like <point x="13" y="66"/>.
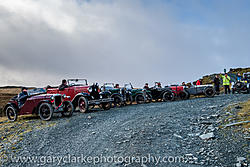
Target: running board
<point x="99" y="101"/>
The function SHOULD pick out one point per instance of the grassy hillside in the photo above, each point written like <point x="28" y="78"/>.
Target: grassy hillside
<point x="5" y="94"/>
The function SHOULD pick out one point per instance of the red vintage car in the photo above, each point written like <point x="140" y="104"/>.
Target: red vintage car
<point x="39" y="103"/>
<point x="83" y="96"/>
<point x="180" y="92"/>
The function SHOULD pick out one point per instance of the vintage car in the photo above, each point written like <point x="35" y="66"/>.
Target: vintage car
<point x="84" y="96"/>
<point x="40" y="103"/>
<point x="207" y="90"/>
<point x="121" y="96"/>
<point x="161" y="94"/>
<point x="138" y="95"/>
<point x="241" y="87"/>
<point x="179" y="91"/>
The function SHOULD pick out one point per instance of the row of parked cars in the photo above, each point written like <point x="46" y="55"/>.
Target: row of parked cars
<point x="78" y="95"/>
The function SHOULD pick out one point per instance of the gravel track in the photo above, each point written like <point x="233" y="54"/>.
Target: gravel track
<point x="159" y="129"/>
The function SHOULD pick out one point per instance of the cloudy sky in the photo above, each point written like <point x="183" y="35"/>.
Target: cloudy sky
<point x="44" y="41"/>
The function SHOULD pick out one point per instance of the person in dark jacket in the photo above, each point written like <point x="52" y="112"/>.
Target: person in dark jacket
<point x="146" y="86"/>
<point x="94" y="91"/>
<point x="63" y="85"/>
<point x="217" y="84"/>
<point x="117" y="86"/>
<point x="22" y="97"/>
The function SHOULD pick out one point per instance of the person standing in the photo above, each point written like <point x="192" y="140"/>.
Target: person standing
<point x="239" y="77"/>
<point x="217" y="84"/>
<point x="226" y="83"/>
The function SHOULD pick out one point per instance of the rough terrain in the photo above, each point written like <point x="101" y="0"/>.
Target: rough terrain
<point x="190" y="129"/>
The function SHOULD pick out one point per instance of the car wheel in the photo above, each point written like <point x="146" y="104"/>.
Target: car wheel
<point x="129" y="100"/>
<point x="117" y="101"/>
<point x="168" y="96"/>
<point x="239" y="85"/>
<point x="83" y="104"/>
<point x="188" y="94"/>
<point x="106" y="106"/>
<point x="139" y="99"/>
<point x="149" y="98"/>
<point x="209" y="92"/>
<point x="68" y="109"/>
<point x="11" y="113"/>
<point x="45" y="111"/>
<point x="183" y="95"/>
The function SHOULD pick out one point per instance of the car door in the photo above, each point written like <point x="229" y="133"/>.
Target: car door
<point x="28" y="106"/>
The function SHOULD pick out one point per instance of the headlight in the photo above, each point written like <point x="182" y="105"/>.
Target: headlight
<point x="64" y="96"/>
<point x="90" y="89"/>
<point x="52" y="97"/>
<point x="101" y="96"/>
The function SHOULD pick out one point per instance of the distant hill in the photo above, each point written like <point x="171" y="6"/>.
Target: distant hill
<point x="208" y="79"/>
<point x="8" y="87"/>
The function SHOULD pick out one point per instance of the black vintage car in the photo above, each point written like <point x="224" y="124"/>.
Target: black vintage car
<point x="122" y="96"/>
<point x="161" y="94"/>
<point x="243" y="85"/>
<point x="240" y="87"/>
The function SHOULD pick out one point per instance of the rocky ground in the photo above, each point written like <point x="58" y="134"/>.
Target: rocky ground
<point x="180" y="133"/>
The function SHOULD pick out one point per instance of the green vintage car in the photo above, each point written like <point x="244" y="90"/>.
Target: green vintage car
<point x="139" y="95"/>
<point x="121" y="95"/>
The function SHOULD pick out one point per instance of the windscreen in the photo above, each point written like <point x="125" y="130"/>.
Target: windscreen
<point x="36" y="91"/>
<point x="109" y="85"/>
<point x="79" y="82"/>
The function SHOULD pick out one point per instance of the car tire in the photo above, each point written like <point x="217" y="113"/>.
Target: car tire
<point x="139" y="99"/>
<point x="183" y="95"/>
<point x="106" y="106"/>
<point x="45" y="111"/>
<point x="129" y="100"/>
<point x="83" y="104"/>
<point x="11" y="113"/>
<point x="209" y="92"/>
<point x="117" y="101"/>
<point x="68" y="109"/>
<point x="239" y="85"/>
<point x="188" y="94"/>
<point x="148" y="98"/>
<point x="168" y="96"/>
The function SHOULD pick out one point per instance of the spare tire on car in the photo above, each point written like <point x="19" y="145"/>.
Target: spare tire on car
<point x="239" y="85"/>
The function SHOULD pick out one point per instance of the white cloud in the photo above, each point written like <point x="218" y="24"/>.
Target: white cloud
<point x="120" y="41"/>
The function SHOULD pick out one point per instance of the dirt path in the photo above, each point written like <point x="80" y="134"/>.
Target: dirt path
<point x="162" y="134"/>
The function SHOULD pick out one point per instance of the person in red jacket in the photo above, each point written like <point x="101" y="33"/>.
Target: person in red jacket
<point x="198" y="82"/>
